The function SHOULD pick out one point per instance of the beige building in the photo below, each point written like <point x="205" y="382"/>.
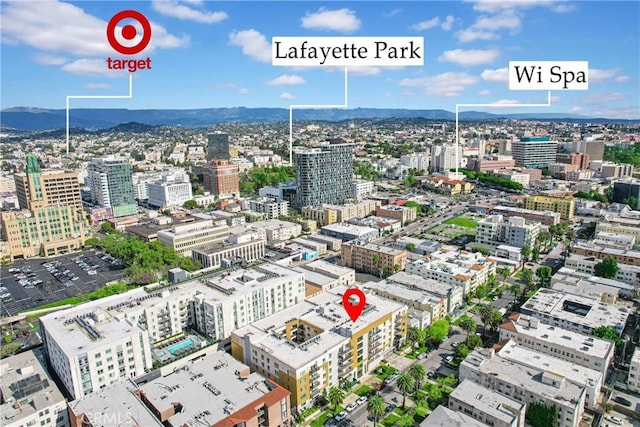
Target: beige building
<point x="48" y="188"/>
<point x="330" y="214"/>
<point x="186" y="237"/>
<point x="404" y="214"/>
<point x="564" y="206"/>
<point x="373" y="259"/>
<point x="490" y="407"/>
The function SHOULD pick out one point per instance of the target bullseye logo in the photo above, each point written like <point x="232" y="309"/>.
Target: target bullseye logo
<point x="128" y="32"/>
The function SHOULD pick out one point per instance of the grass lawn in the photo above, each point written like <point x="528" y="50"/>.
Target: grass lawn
<point x="363" y="390"/>
<point x="319" y="422"/>
<point x="462" y="222"/>
<point x="384" y="371"/>
<point x="390" y="420"/>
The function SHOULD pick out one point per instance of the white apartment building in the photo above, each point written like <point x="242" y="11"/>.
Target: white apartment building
<point x="513" y="231"/>
<point x="633" y="380"/>
<point x="164" y="194"/>
<point x="487" y="406"/>
<point x="614" y="240"/>
<point x="361" y="188"/>
<point x="464" y="269"/>
<point x="589" y="379"/>
<point x="186" y="237"/>
<point x="525" y="384"/>
<point x="618" y="229"/>
<point x="313" y="346"/>
<point x="273" y="229"/>
<point x="519" y="177"/>
<point x="29" y="395"/>
<point x="576" y="313"/>
<point x="585" y="264"/>
<point x="271" y="207"/>
<point x="417" y="161"/>
<point x="588" y="351"/>
<point x="573" y="282"/>
<point x="90" y="348"/>
<point x="451" y="294"/>
<point x="443" y="157"/>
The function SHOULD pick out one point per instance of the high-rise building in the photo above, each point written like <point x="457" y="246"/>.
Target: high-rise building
<point x="324" y="174"/>
<point x="217" y="146"/>
<point x="443" y="157"/>
<point x="626" y="192"/>
<point x="222" y="178"/>
<point x="110" y="180"/>
<point x="581" y="160"/>
<point x="37" y="188"/>
<point x="534" y="151"/>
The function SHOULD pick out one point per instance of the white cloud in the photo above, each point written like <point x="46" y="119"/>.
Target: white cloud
<point x="506" y="102"/>
<point x="621" y="79"/>
<point x="178" y="10"/>
<point x="575" y="110"/>
<point x="91" y="67"/>
<point x="45" y="59"/>
<point x="468" y="35"/>
<point x="500" y="75"/>
<point x="484" y="92"/>
<point x="447" y="24"/>
<point x="253" y="43"/>
<point x="64" y="28"/>
<point x="343" y="20"/>
<point x="494" y="6"/>
<point x="244" y="91"/>
<point x="555" y="99"/>
<point x="97" y="86"/>
<point x="507" y="20"/>
<point x="287" y="80"/>
<point x="630" y="113"/>
<point x="392" y="13"/>
<point x="426" y="25"/>
<point x="287" y="96"/>
<point x="364" y="70"/>
<point x="448" y="84"/>
<point x="469" y="57"/>
<point x="597" y="75"/>
<point x="563" y="8"/>
<point x="601" y="98"/>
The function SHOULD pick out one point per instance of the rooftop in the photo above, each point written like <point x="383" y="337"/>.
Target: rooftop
<point x="414" y="295"/>
<point x="327" y="268"/>
<point x="445" y="417"/>
<point x="208" y="390"/>
<point x="344" y="227"/>
<point x="377" y="248"/>
<point x="418" y="282"/>
<point x="26" y="387"/>
<point x="576" y="309"/>
<point x="588" y="246"/>
<point x="558" y="337"/>
<point x="488" y="401"/>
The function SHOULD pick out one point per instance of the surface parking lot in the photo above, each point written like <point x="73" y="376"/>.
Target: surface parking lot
<point x="34" y="282"/>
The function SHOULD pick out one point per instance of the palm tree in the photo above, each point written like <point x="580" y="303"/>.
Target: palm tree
<point x="485" y="313"/>
<point x="468" y="324"/>
<point x="405" y="385"/>
<point x="515" y="289"/>
<point x="376" y="262"/>
<point x="418" y="373"/>
<point x="504" y="273"/>
<point x="412" y="335"/>
<point x="375" y="407"/>
<point x="335" y="397"/>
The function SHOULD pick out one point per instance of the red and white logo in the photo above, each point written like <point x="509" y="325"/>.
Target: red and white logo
<point x="129" y="33"/>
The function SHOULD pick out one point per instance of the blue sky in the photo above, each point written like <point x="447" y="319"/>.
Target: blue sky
<point x="217" y="54"/>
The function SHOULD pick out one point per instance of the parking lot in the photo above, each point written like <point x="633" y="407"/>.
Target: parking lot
<point x="34" y="282"/>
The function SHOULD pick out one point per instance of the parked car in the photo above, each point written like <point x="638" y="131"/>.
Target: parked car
<point x="615" y="420"/>
<point x="341" y="416"/>
<point x="361" y="400"/>
<point x="421" y="356"/>
<point x="350" y="407"/>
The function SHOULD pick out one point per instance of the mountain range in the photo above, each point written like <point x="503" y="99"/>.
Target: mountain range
<point x="37" y="119"/>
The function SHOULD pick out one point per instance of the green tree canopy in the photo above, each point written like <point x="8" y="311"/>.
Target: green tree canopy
<point x="541" y="415"/>
<point x="607" y="268"/>
<point x="608" y="333"/>
<point x="438" y="330"/>
<point x="405" y="383"/>
<point x="544" y="274"/>
<point x="468" y="324"/>
<point x="527" y="277"/>
<point x="190" y="204"/>
<point x="473" y="341"/>
<point x="335" y="396"/>
<point x="375" y="408"/>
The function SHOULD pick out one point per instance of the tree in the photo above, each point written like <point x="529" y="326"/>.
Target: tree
<point x="335" y="397"/>
<point x="405" y="385"/>
<point x="541" y="415"/>
<point x="481" y="291"/>
<point x="410" y="247"/>
<point x="494" y="320"/>
<point x="462" y="351"/>
<point x="418" y="373"/>
<point x="92" y="241"/>
<point x="504" y="272"/>
<point x="376" y="262"/>
<point x="485" y="313"/>
<point x="527" y="277"/>
<point x="375" y="408"/>
<point x="438" y="330"/>
<point x="516" y="290"/>
<point x="448" y="381"/>
<point x="526" y="253"/>
<point x="107" y="227"/>
<point x="473" y="341"/>
<point x="607" y="268"/>
<point x="405" y="421"/>
<point x="632" y="202"/>
<point x="544" y="273"/>
<point x="608" y="333"/>
<point x="468" y="324"/>
<point x="608" y="193"/>
<point x="535" y="254"/>
<point x="396" y="268"/>
<point x="190" y="204"/>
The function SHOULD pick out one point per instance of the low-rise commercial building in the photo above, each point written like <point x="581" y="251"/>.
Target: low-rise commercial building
<point x="314" y="345"/>
<point x="215" y="256"/>
<point x="564" y="206"/>
<point x="573" y="312"/>
<point x="186" y="237"/>
<point x="404" y="214"/>
<point x="347" y="232"/>
<point x="488" y="406"/>
<point x="321" y="275"/>
<point x="588" y="351"/>
<point x="28" y="395"/>
<point x="166" y="193"/>
<point x="597" y="288"/>
<point x="373" y="259"/>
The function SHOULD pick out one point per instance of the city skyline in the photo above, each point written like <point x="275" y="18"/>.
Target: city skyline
<point x="207" y="54"/>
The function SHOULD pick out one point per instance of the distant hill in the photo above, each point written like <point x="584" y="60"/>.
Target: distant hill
<point x="30" y="119"/>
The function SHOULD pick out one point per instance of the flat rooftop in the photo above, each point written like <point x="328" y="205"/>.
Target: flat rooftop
<point x="416" y="295"/>
<point x="588" y="246"/>
<point x="576" y="309"/>
<point x="208" y="390"/>
<point x="325" y="267"/>
<point x="116" y="404"/>
<point x="326" y="312"/>
<point x="523" y="377"/>
<point x="378" y="248"/>
<point x="488" y="401"/>
<point x="559" y="337"/>
<point x="25" y="382"/>
<point x="414" y="281"/>
<point x="445" y="417"/>
<point x="346" y="228"/>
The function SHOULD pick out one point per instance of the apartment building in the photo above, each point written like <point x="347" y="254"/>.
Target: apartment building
<point x="525" y="384"/>
<point x="452" y="294"/>
<point x="487" y="406"/>
<point x="573" y="312"/>
<point x="564" y="206"/>
<point x="544" y="218"/>
<point x="581" y="160"/>
<point x="633" y="380"/>
<point x="612" y="240"/>
<point x="111" y="184"/>
<point x="491" y="163"/>
<point x="626" y="273"/>
<point x="271" y="207"/>
<point x="184" y="238"/>
<point x="534" y="151"/>
<point x="618" y="229"/>
<point x="513" y="175"/>
<point x="616" y="170"/>
<point x="361" y="188"/>
<point x="328" y="214"/>
<point x="273" y="229"/>
<point x="321" y="275"/>
<point x="443" y="416"/>
<point x="514" y="231"/>
<point x="622" y="256"/>
<point x="30" y="397"/>
<point x="373" y="259"/>
<point x="464" y="269"/>
<point x="568" y="345"/>
<point x="314" y="345"/>
<point x="404" y="214"/>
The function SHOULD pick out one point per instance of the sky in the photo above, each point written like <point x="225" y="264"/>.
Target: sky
<point x="207" y="54"/>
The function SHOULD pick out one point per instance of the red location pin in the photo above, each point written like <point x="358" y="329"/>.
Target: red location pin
<point x="354" y="311"/>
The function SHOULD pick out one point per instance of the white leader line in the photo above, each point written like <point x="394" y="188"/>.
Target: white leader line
<point x="291" y="107"/>
<point x="97" y="97"/>
<point x="493" y="105"/>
